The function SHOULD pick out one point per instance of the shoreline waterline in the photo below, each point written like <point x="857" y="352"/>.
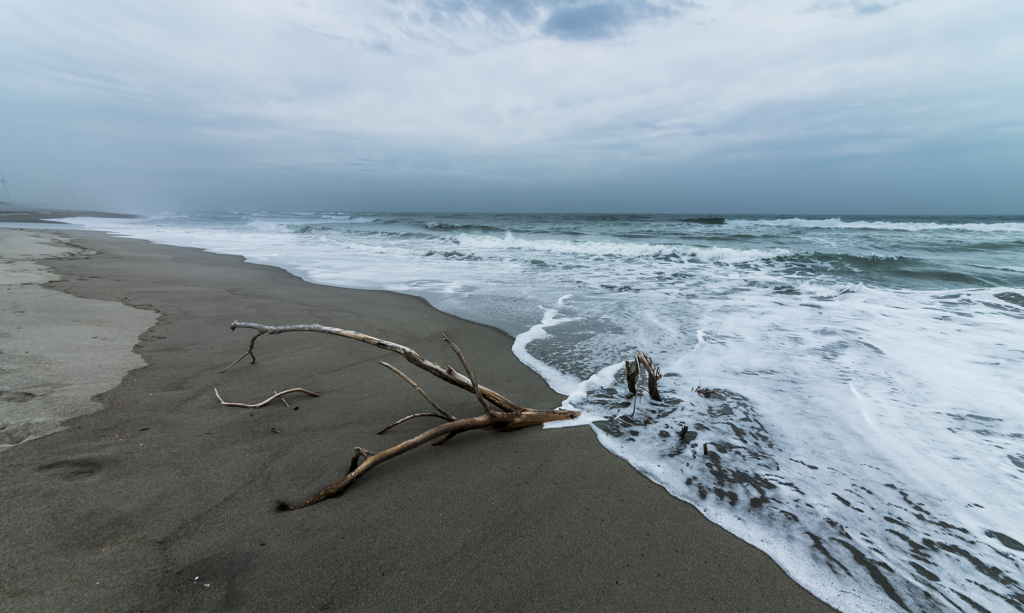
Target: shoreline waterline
<point x="195" y="483"/>
<point x="813" y="289"/>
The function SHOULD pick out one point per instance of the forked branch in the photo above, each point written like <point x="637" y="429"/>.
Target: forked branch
<point x="252" y="343"/>
<point x="418" y="389"/>
<point x="446" y="374"/>
<point x="510" y="416"/>
<point x="438" y="411"/>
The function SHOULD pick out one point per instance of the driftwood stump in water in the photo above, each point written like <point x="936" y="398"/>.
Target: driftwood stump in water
<point x="499" y="413"/>
<point x="633" y="376"/>
<point x="653" y="375"/>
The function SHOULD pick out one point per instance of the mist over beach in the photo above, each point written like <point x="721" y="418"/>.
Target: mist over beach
<point x="803" y="221"/>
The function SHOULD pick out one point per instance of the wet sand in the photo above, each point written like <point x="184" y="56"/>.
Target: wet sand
<point x="164" y="500"/>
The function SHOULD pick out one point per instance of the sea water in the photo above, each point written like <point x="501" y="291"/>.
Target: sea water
<point x="867" y="425"/>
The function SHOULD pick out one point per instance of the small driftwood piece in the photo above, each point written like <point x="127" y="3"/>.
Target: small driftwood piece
<point x="653" y="375"/>
<point x="633" y="377"/>
<point x="499" y="413"/>
<point x="705" y="392"/>
<point x="252" y="344"/>
<point x="265" y="402"/>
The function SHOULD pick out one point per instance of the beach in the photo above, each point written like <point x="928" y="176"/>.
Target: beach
<point x="165" y="500"/>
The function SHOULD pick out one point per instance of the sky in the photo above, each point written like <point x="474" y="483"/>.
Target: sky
<point x="663" y="106"/>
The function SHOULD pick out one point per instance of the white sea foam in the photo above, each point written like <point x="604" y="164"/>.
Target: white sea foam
<point x="559" y="381"/>
<point x="622" y="249"/>
<point x="872" y="391"/>
<point x="839" y="224"/>
<point x="827" y="290"/>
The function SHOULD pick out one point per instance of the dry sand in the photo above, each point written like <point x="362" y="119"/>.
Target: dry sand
<point x="164" y="500"/>
<point x="57" y="350"/>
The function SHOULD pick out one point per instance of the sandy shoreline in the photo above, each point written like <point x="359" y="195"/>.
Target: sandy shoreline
<point x="41" y="388"/>
<point x="164" y="500"/>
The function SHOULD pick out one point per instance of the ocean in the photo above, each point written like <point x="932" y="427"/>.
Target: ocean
<point x="867" y="429"/>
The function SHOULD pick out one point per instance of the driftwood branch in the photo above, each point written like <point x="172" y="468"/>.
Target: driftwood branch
<point x="358" y="452"/>
<point x="631" y="375"/>
<point x="705" y="392"/>
<point x="634" y="375"/>
<point x="265" y="402"/>
<point x="511" y="416"/>
<point x="653" y="375"/>
<point x="401" y="374"/>
<point x="472" y="378"/>
<point x="444" y="439"/>
<point x="407" y="418"/>
<point x="447" y="375"/>
<point x="252" y="343"/>
<point x="438" y="411"/>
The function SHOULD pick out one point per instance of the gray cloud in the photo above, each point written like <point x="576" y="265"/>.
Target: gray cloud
<point x="563" y="19"/>
<point x="855" y="7"/>
<point x="583" y="21"/>
<point x="518" y="10"/>
<point x="450" y="104"/>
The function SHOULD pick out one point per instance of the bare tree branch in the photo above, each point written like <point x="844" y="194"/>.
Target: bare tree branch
<point x="407" y="418"/>
<point x="418" y="389"/>
<point x="265" y="402"/>
<point x="511" y="417"/>
<point x="493" y="419"/>
<point x="444" y="439"/>
<point x="249" y="352"/>
<point x="411" y="356"/>
<point x="472" y="377"/>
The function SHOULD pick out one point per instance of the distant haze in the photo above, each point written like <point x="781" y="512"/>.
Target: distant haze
<point x="791" y="106"/>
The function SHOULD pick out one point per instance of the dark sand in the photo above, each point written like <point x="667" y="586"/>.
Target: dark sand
<point x="164" y="500"/>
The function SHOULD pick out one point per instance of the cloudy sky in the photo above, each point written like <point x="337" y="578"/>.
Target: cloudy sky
<point x="789" y="106"/>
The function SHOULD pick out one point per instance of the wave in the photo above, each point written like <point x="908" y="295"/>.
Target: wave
<point x="723" y="255"/>
<point x="870" y="260"/>
<point x="906" y="226"/>
<point x="827" y="290"/>
<point x="999" y="268"/>
<point x="440" y="225"/>
<point x="270" y="222"/>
